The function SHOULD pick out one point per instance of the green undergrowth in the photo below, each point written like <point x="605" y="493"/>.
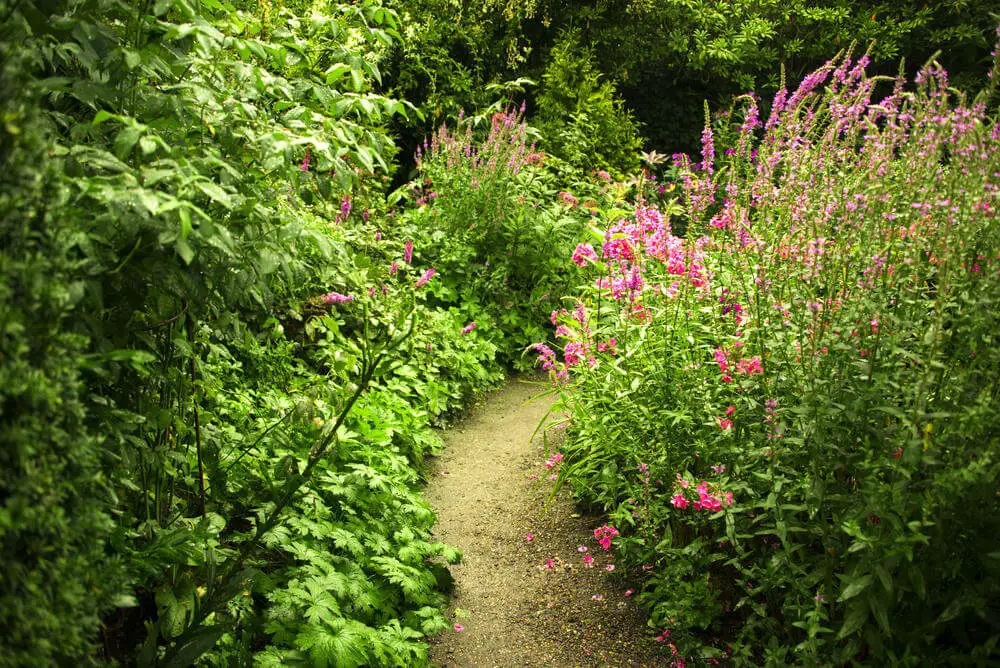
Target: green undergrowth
<point x="217" y="390"/>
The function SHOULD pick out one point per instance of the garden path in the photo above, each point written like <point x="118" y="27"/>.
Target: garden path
<point x="489" y="489"/>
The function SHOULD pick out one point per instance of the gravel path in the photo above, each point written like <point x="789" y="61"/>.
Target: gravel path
<point x="489" y="489"/>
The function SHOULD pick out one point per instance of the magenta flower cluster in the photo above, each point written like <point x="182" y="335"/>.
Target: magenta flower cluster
<point x="604" y="535"/>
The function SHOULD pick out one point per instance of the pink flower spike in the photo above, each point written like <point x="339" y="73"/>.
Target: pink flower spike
<point x="426" y="277"/>
<point x="458" y="628"/>
<point x="337" y="298"/>
<point x="730" y="410"/>
<point x="468" y="328"/>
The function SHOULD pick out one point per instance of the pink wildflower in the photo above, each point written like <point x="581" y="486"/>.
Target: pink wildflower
<point x="408" y="251"/>
<point x="679" y="501"/>
<point x="583" y="254"/>
<point x="604" y="535"/>
<point x="609" y="346"/>
<point x="426" y="277"/>
<point x="588" y="561"/>
<point x="337" y="298"/>
<point x="529" y="536"/>
<point x="724" y="423"/>
<point x="721" y="360"/>
<point x="468" y="328"/>
<point x="582" y="548"/>
<point x="458" y="628"/>
<point x="546" y="355"/>
<point x="750" y="366"/>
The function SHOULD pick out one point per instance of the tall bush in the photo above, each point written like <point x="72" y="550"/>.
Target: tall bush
<point x="580" y="114"/>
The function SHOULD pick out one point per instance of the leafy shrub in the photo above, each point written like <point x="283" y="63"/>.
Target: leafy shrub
<point x="210" y="419"/>
<point x="581" y="117"/>
<point x="791" y="409"/>
<point x="486" y="229"/>
<point x="55" y="501"/>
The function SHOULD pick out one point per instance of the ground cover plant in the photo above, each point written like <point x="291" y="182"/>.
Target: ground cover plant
<point x="788" y="413"/>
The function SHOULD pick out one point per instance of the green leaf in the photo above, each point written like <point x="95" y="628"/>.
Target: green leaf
<point x="195" y="645"/>
<point x="184" y="250"/>
<point x="102" y="116"/>
<point x="215" y="193"/>
<point x="126" y="140"/>
<point x="855" y="587"/>
<point x="857" y="615"/>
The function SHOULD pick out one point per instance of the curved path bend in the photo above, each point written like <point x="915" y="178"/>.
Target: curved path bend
<point x="490" y="489"/>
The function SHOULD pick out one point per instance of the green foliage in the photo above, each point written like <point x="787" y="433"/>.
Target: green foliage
<point x="668" y="56"/>
<point x="220" y="357"/>
<point x="198" y="449"/>
<point x="581" y="117"/>
<point x="491" y="228"/>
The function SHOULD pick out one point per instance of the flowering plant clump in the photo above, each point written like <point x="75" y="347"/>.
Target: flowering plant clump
<point x="604" y="535"/>
<point x="483" y="197"/>
<point x="806" y="380"/>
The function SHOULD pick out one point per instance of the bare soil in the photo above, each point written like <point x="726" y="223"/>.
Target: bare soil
<point x="490" y="489"/>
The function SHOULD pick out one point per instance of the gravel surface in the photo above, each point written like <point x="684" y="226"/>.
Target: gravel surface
<point x="490" y="489"/>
